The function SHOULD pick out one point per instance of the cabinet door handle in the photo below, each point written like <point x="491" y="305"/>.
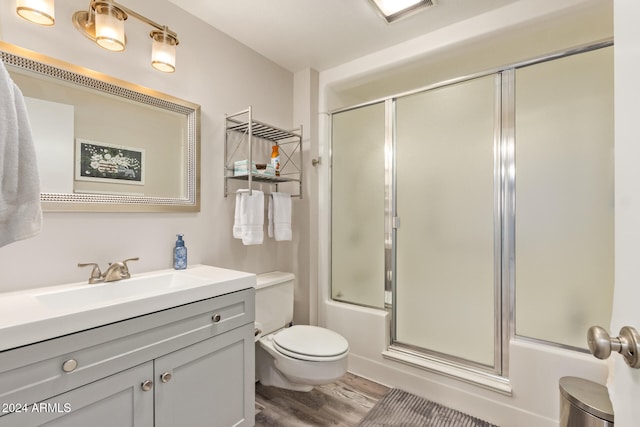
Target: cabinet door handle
<point x="216" y="318"/>
<point x="147" y="385"/>
<point x="70" y="365"/>
<point x="165" y="377"/>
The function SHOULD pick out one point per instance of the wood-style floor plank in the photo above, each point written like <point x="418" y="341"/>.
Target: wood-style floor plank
<point x="341" y="404"/>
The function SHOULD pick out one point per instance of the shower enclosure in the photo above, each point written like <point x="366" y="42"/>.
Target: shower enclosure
<point x="480" y="209"/>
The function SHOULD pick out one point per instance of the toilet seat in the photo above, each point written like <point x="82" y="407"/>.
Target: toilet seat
<point x="310" y="343"/>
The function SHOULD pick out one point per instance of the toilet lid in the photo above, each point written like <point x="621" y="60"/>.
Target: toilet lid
<point x="310" y="342"/>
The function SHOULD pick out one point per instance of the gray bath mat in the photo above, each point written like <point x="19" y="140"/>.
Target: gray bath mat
<point x="401" y="409"/>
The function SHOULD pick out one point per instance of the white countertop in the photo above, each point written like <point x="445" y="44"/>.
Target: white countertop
<point x="39" y="314"/>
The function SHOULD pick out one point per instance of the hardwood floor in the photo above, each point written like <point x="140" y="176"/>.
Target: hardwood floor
<point x="343" y="403"/>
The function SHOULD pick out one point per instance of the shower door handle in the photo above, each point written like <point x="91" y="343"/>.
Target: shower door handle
<point x="628" y="344"/>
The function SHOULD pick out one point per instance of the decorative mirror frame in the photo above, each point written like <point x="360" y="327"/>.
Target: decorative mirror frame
<point x="40" y="64"/>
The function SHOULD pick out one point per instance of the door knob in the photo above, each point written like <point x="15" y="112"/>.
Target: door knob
<point x="627" y="344"/>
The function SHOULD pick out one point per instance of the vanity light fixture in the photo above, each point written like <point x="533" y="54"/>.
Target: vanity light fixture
<point x="392" y="10"/>
<point x="37" y="11"/>
<point x="103" y="23"/>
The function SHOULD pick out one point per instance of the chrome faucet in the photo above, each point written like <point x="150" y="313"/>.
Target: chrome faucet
<point x="116" y="271"/>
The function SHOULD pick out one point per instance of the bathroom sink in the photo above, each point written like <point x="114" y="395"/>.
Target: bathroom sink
<point x="110" y="292"/>
<point x="35" y="315"/>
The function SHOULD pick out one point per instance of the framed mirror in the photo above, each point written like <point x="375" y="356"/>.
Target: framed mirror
<point x="103" y="144"/>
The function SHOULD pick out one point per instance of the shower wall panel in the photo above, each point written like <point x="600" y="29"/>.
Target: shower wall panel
<point x="358" y="206"/>
<point x="564" y="197"/>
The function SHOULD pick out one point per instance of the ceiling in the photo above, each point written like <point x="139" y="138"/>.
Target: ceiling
<point x="320" y="34"/>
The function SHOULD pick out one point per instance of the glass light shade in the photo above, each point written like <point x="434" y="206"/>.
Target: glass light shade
<point x="110" y="27"/>
<point x="163" y="52"/>
<point x="37" y="11"/>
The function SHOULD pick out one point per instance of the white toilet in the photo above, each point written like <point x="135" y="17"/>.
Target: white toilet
<point x="296" y="357"/>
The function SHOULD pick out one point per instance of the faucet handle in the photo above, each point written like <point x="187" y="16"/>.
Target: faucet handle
<point x="125" y="272"/>
<point x="96" y="274"/>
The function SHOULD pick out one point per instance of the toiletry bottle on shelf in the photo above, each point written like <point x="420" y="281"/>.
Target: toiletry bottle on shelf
<point x="180" y="254"/>
<point x="275" y="159"/>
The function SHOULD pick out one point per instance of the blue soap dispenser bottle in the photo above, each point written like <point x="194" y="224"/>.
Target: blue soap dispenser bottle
<point x="180" y="254"/>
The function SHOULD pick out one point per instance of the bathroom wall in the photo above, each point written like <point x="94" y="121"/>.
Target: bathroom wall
<point x="214" y="71"/>
<point x="516" y="32"/>
<point x="305" y="113"/>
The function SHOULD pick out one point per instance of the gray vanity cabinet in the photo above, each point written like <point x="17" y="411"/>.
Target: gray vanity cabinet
<point x="208" y="382"/>
<point x="117" y="400"/>
<point x="191" y="365"/>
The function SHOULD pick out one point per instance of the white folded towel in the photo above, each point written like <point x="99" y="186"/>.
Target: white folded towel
<point x="249" y="217"/>
<point x="279" y="214"/>
<point x="20" y="210"/>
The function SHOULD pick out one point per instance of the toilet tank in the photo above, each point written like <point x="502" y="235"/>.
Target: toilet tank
<point x="274" y="300"/>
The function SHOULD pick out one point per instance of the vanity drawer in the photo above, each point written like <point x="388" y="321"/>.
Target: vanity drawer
<point x="31" y="373"/>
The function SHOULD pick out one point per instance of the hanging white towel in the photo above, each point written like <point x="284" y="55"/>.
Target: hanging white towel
<point x="249" y="217"/>
<point x="279" y="215"/>
<point x="20" y="210"/>
<point x="237" y="220"/>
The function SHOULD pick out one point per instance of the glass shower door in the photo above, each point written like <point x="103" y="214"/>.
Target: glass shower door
<point x="447" y="253"/>
<point x="486" y="206"/>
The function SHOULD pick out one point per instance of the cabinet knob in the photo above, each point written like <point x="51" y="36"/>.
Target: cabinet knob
<point x="216" y="318"/>
<point x="165" y="377"/>
<point x="70" y="365"/>
<point x="147" y="385"/>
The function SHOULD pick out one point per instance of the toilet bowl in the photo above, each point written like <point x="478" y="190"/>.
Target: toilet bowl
<point x="292" y="357"/>
<point x="301" y="356"/>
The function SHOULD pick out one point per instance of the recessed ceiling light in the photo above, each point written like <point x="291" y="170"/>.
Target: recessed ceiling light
<point x="392" y="10"/>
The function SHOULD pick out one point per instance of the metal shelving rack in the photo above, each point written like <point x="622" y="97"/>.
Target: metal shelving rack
<point x="240" y="129"/>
